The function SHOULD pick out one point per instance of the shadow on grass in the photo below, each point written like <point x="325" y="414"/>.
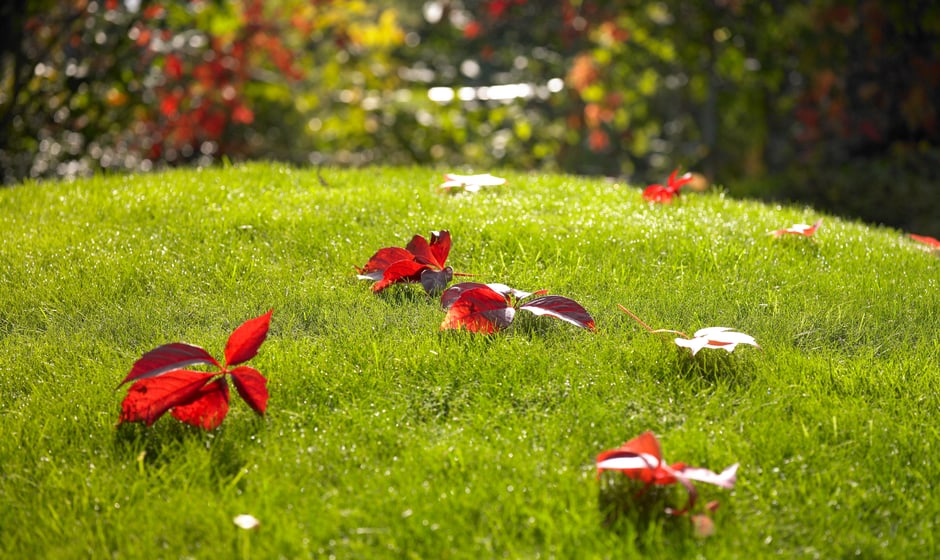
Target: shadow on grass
<point x="167" y="442"/>
<point x="634" y="510"/>
<point x="716" y="367"/>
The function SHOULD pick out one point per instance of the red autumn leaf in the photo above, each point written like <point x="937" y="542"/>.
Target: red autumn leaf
<point x="925" y="239"/>
<point x="252" y="387"/>
<point x="401" y="271"/>
<point x="434" y="253"/>
<point x="664" y="194"/>
<point x="198" y="398"/>
<point x="244" y="342"/>
<point x="394" y="265"/>
<point x="168" y="357"/>
<point x="209" y="408"/>
<point x="149" y="399"/>
<point x="798" y="229"/>
<point x="562" y="308"/>
<point x="382" y="259"/>
<point x="488" y="308"/>
<point x="641" y="459"/>
<point x="482" y="310"/>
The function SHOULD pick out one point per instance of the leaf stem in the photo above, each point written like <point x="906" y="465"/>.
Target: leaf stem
<point x="635" y="318"/>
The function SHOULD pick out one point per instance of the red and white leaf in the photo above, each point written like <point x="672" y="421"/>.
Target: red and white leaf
<point x="383" y="259"/>
<point x="562" y="308"/>
<point x="245" y="341"/>
<point x="252" y="387"/>
<point x="480" y="310"/>
<point x="150" y="398"/>
<point x="715" y="337"/>
<point x="640" y="459"/>
<point x="208" y="409"/>
<point x="166" y="358"/>
<point x="799" y="229"/>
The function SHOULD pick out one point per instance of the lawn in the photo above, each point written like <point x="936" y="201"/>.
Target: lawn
<point x="385" y="437"/>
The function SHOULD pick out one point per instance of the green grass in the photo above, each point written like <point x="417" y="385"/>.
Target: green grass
<point x="387" y="438"/>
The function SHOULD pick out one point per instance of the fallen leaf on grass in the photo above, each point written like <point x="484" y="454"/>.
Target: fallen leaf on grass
<point x="487" y="308"/>
<point x="664" y="194"/>
<point x="641" y="459"/>
<point x="420" y="261"/>
<point x="710" y="337"/>
<point x="799" y="229"/>
<point x="162" y="383"/>
<point x="454" y="183"/>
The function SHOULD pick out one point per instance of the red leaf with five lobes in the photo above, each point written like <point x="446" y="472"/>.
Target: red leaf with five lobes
<point x="168" y="357"/>
<point x="381" y="260"/>
<point x="434" y="254"/>
<point x="245" y="341"/>
<point x="562" y="308"/>
<point x="252" y="387"/>
<point x="209" y="408"/>
<point x="401" y="271"/>
<point x="479" y="310"/>
<point x="149" y="399"/>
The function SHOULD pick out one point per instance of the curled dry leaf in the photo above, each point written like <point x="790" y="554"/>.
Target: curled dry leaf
<point x="799" y="229"/>
<point x="161" y="382"/>
<point x="487" y="308"/>
<point x="454" y="183"/>
<point x="419" y="261"/>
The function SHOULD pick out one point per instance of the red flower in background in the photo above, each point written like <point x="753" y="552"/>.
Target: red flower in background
<point x="664" y="194"/>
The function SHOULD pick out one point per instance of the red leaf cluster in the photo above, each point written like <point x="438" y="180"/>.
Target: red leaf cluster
<point x="420" y="261"/>
<point x="664" y="194"/>
<point x="641" y="459"/>
<point x="162" y="383"/>
<point x="487" y="308"/>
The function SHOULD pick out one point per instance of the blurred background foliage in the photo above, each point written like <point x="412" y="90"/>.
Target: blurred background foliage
<point x="829" y="102"/>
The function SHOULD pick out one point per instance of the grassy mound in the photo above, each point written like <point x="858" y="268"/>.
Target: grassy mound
<point x="387" y="438"/>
